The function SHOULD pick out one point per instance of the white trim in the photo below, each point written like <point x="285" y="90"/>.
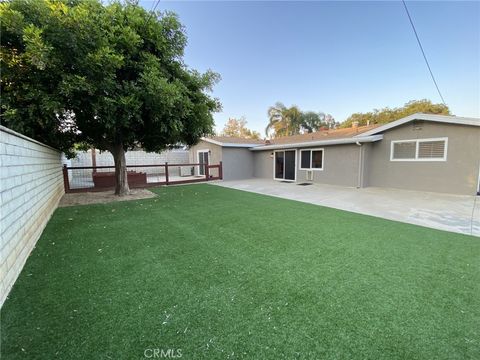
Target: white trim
<point x="211" y="141"/>
<point x="426" y="117"/>
<point x="417" y="141"/>
<point x="215" y="142"/>
<point x="311" y="159"/>
<point x="198" y="159"/>
<point x="307" y="144"/>
<point x="295" y="172"/>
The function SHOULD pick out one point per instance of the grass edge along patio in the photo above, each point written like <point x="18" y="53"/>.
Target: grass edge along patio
<point x="222" y="273"/>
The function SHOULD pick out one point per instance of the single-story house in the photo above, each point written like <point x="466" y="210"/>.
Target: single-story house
<point x="422" y="152"/>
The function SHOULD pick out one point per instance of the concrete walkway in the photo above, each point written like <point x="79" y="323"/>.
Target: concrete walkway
<point x="438" y="211"/>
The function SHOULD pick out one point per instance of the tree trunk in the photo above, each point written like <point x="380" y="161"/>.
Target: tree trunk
<point x="121" y="179"/>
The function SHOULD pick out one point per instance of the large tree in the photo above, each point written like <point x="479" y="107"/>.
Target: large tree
<point x="109" y="76"/>
<point x="386" y="115"/>
<point x="238" y="128"/>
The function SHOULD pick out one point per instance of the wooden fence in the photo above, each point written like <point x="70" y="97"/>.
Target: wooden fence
<point x="101" y="178"/>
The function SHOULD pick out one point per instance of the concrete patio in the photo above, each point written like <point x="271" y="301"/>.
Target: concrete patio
<point x="454" y="213"/>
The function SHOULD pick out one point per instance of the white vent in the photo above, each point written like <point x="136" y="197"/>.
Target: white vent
<point x="186" y="171"/>
<point x="309" y="175"/>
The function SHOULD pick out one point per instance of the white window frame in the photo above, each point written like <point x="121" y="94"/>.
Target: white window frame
<point x="197" y="168"/>
<point x="311" y="159"/>
<point x="417" y="141"/>
<point x="283" y="150"/>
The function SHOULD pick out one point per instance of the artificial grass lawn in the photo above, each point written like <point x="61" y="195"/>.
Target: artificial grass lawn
<point x="225" y="274"/>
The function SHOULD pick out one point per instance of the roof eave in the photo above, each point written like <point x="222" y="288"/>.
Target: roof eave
<point x="344" y="141"/>
<point x="425" y="117"/>
<point x="211" y="141"/>
<point x="240" y="145"/>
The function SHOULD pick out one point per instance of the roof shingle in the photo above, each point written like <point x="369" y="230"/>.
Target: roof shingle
<point x="322" y="135"/>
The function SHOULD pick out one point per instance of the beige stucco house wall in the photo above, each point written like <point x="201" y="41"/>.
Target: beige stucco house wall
<point x="459" y="174"/>
<point x="340" y="166"/>
<point x="237" y="162"/>
<point x="215" y="152"/>
<point x="365" y="159"/>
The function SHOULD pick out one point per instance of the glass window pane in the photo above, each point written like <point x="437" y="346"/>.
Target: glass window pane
<point x="317" y="159"/>
<point x="404" y="150"/>
<point x="431" y="149"/>
<point x="289" y="165"/>
<point x="305" y="159"/>
<point x="279" y="165"/>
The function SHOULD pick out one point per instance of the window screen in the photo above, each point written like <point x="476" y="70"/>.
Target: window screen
<point x="404" y="150"/>
<point x="305" y="159"/>
<point x="317" y="159"/>
<point x="431" y="149"/>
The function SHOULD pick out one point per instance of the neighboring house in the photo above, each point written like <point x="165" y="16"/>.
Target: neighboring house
<point x="419" y="152"/>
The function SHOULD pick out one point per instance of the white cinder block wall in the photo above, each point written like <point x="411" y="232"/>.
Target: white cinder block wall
<point x="133" y="157"/>
<point x="31" y="185"/>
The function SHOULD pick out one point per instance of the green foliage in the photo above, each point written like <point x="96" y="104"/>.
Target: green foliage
<point x="386" y="115"/>
<point x="285" y="121"/>
<point x="238" y="128"/>
<point x="104" y="75"/>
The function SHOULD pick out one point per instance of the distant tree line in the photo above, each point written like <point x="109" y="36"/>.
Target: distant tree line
<point x="238" y="128"/>
<point x="286" y="121"/>
<point x="386" y="115"/>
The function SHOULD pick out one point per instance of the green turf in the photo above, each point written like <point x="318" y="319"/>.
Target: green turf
<point x="225" y="274"/>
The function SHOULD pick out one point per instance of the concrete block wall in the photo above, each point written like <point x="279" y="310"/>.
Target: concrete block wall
<point x="133" y="157"/>
<point x="31" y="185"/>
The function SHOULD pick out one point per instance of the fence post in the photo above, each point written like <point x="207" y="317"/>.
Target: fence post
<point x="94" y="159"/>
<point x="220" y="171"/>
<point x="166" y="172"/>
<point x="207" y="175"/>
<point x="66" y="183"/>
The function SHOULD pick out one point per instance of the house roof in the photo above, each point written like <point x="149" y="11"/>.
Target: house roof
<point x="457" y="120"/>
<point x="322" y="137"/>
<point x="230" y="141"/>
<point x="349" y="135"/>
<point x="311" y="143"/>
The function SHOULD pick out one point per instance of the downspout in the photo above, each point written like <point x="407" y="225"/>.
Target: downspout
<point x="360" y="165"/>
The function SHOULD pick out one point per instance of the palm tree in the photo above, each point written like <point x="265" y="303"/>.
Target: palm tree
<point x="283" y="121"/>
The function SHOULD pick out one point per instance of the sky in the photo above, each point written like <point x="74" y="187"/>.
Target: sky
<point x="335" y="57"/>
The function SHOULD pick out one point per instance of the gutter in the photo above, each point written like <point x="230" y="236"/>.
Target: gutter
<point x="360" y="164"/>
<point x="365" y="139"/>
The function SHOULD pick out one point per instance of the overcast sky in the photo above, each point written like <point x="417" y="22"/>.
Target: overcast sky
<point x="335" y="57"/>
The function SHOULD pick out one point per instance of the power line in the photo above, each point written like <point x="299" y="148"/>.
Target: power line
<point x="152" y="11"/>
<point x="423" y="52"/>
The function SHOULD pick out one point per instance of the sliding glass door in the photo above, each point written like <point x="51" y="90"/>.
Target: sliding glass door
<point x="202" y="159"/>
<point x="284" y="165"/>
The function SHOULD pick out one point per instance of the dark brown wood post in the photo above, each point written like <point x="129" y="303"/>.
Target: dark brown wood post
<point x="166" y="172"/>
<point x="220" y="171"/>
<point x="66" y="183"/>
<point x="207" y="175"/>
